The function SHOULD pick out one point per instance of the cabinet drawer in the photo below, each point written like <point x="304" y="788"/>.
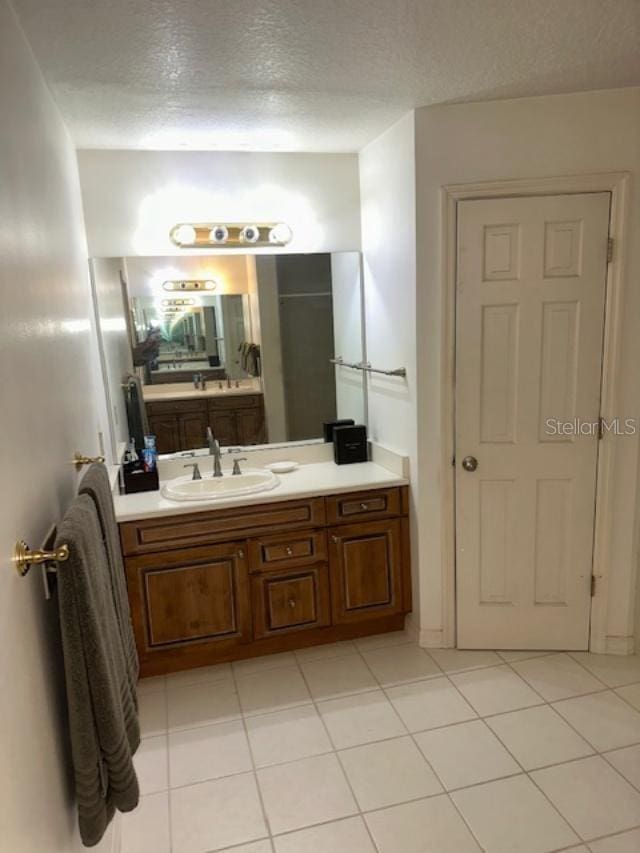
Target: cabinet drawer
<point x="180" y="531"/>
<point x="176" y="406"/>
<point x="362" y="506"/>
<point x="236" y="401"/>
<point x="290" y="601"/>
<point x="272" y="553"/>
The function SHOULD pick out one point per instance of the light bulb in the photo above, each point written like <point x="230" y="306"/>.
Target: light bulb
<point x="210" y="285"/>
<point x="184" y="235"/>
<point x="219" y="234"/>
<point x="250" y="234"/>
<point x="280" y="233"/>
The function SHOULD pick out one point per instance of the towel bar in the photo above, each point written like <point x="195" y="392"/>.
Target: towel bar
<point x="24" y="557"/>
<point x="366" y="367"/>
<point x="79" y="459"/>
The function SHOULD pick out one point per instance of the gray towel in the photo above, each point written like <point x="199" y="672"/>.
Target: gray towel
<point x="95" y="483"/>
<point x="102" y="718"/>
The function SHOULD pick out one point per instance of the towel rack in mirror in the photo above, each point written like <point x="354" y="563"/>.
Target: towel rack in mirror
<point x="366" y="367"/>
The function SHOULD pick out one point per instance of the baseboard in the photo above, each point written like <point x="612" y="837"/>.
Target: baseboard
<point x="620" y="645"/>
<point x="430" y="638"/>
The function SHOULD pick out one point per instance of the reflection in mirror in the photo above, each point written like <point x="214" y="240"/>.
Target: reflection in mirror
<point x="240" y="344"/>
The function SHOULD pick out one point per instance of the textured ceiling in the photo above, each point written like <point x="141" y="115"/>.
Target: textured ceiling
<point x="310" y="75"/>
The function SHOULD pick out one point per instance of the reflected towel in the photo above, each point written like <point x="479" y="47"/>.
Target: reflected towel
<point x="103" y="722"/>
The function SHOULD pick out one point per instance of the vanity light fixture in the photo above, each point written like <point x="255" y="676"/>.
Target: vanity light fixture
<point x="191" y="284"/>
<point x="207" y="235"/>
<point x="167" y="303"/>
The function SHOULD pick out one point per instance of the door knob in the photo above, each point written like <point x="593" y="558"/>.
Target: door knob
<point x="469" y="463"/>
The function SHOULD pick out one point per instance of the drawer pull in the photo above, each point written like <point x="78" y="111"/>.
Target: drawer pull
<point x="292" y="603"/>
<point x="364" y="507"/>
<point x="288" y="551"/>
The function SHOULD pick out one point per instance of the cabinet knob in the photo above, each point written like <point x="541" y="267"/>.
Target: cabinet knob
<point x="241" y="553"/>
<point x="334" y="539"/>
<point x="292" y="603"/>
<point x="364" y="506"/>
<point x="289" y="552"/>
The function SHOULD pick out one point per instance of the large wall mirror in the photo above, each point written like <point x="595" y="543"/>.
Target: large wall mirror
<point x="242" y="344"/>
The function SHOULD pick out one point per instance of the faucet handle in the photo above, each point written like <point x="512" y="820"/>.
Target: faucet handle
<point x="236" y="465"/>
<point x="196" y="470"/>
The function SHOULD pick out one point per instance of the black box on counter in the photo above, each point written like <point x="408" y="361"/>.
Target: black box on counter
<point x="350" y="444"/>
<point x="136" y="479"/>
<point x="329" y="426"/>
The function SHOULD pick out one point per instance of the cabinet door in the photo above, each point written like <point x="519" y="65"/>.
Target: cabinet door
<point x="191" y="597"/>
<point x="366" y="570"/>
<point x="290" y="601"/>
<point x="251" y="428"/>
<point x="167" y="432"/>
<point x="193" y="430"/>
<point x="223" y="426"/>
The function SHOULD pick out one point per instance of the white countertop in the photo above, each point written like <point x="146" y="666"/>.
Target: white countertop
<point x="322" y="478"/>
<point x="186" y="391"/>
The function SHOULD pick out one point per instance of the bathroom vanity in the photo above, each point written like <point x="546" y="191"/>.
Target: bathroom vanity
<point x="267" y="574"/>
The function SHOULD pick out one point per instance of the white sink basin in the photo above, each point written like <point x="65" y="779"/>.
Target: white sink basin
<point x="210" y="488"/>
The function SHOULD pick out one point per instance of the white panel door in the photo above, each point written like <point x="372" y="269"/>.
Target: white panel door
<point x="529" y="337"/>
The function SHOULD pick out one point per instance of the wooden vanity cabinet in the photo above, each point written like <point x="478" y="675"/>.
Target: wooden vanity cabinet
<point x="232" y="583"/>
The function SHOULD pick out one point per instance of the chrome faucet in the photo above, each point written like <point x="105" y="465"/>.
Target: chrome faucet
<point x="196" y="470"/>
<point x="214" y="450"/>
<point x="236" y="465"/>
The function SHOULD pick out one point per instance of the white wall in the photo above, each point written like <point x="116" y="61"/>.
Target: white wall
<point x="48" y="407"/>
<point x="348" y="334"/>
<point x="133" y="198"/>
<point x="561" y="135"/>
<point x="114" y="346"/>
<point x="387" y="187"/>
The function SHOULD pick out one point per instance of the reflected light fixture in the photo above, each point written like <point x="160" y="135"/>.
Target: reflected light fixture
<point x="207" y="235"/>
<point x="190" y="284"/>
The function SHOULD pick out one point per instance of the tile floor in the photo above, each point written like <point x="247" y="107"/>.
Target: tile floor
<point x="376" y="746"/>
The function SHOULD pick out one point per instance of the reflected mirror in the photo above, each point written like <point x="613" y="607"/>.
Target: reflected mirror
<point x="242" y="344"/>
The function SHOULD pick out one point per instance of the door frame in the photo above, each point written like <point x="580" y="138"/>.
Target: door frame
<point x="616" y="183"/>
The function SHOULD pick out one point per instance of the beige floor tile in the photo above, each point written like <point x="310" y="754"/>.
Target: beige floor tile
<point x="466" y="754"/>
<point x="326" y="652"/>
<point x="287" y="735"/>
<point x="626" y="842"/>
<point x="511" y="814"/>
<point x="201" y="705"/>
<point x="264" y="662"/>
<point x="495" y="690"/>
<point x="631" y="694"/>
<point x="379" y="641"/>
<point x="604" y="719"/>
<point x="313" y="790"/>
<point x="539" y="736"/>
<point x="272" y="690"/>
<point x="342" y="836"/>
<point x="208" y="752"/>
<point x="200" y="675"/>
<point x="424" y="826"/>
<point x="361" y="718"/>
<point x="627" y="762"/>
<point x="557" y="677"/>
<point x="216" y="814"/>
<point x="460" y="660"/>
<point x="146" y="829"/>
<point x="614" y="670"/>
<point x="511" y="656"/>
<point x="390" y="772"/>
<point x="337" y="677"/>
<point x="152" y="713"/>
<point x="399" y="664"/>
<point x="263" y="846"/>
<point x="429" y="704"/>
<point x="591" y="796"/>
<point x="150" y="762"/>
